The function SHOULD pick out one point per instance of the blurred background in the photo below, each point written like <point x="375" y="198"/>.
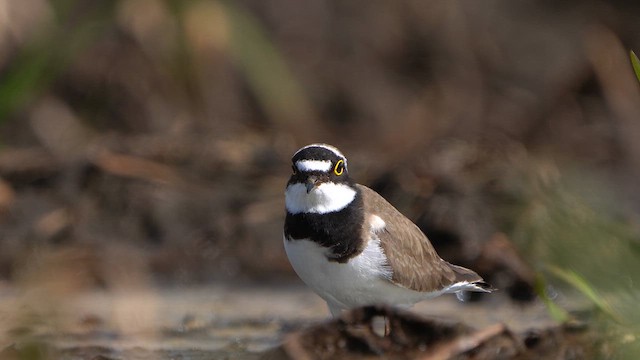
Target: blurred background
<point x="145" y="144"/>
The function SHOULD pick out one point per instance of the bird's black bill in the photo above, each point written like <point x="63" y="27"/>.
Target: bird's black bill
<point x="311" y="183"/>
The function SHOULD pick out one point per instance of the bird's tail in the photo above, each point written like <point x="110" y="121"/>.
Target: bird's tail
<point x="471" y="280"/>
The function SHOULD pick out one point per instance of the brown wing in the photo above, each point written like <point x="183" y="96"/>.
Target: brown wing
<point x="414" y="261"/>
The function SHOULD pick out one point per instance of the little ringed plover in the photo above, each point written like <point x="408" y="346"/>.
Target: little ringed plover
<point x="352" y="247"/>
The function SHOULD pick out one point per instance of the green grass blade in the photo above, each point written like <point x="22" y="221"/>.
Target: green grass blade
<point x="556" y="312"/>
<point x="583" y="286"/>
<point x="635" y="62"/>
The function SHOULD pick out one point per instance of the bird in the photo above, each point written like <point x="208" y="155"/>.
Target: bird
<point x="352" y="247"/>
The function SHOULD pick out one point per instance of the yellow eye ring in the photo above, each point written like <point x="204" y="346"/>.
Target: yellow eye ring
<point x="339" y="168"/>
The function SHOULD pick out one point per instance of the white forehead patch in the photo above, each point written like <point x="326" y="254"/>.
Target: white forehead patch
<point x="327" y="197"/>
<point x="313" y="165"/>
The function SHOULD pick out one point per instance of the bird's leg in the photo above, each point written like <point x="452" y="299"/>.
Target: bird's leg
<point x="387" y="326"/>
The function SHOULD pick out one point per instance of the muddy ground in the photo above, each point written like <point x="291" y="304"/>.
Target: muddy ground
<point x="223" y="321"/>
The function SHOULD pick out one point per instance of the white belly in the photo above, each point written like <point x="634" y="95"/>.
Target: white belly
<point x="363" y="280"/>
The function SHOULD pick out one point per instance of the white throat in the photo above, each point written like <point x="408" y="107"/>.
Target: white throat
<point x="325" y="198"/>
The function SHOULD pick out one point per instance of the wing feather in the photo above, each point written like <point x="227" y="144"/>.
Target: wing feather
<point x="414" y="261"/>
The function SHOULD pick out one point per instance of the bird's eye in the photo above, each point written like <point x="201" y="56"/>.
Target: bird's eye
<point x="294" y="169"/>
<point x="339" y="168"/>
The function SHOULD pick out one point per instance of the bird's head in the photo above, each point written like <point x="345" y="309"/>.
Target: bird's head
<point x="319" y="182"/>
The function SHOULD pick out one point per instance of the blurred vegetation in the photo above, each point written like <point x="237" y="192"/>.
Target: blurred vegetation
<point x="43" y="58"/>
<point x="146" y="142"/>
<point x="577" y="235"/>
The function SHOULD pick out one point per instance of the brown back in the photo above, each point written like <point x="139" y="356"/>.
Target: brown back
<point x="414" y="261"/>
